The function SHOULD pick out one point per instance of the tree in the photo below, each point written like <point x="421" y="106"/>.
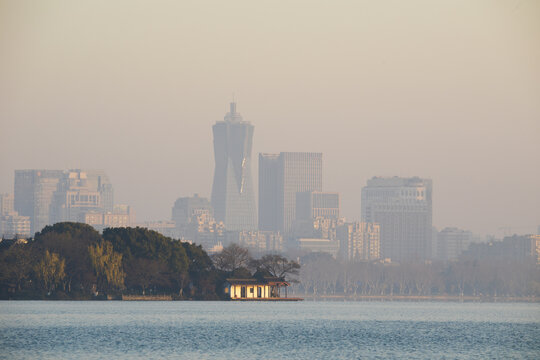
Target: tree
<point x="71" y="241"/>
<point x="16" y="265"/>
<point x="50" y="270"/>
<point x="278" y="266"/>
<point x="107" y="265"/>
<point x="231" y="258"/>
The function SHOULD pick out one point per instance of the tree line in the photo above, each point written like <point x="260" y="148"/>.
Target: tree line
<point x="322" y="275"/>
<point x="74" y="261"/>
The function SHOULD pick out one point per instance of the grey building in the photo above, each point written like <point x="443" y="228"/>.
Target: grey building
<point x="7" y="204"/>
<point x="34" y="191"/>
<point x="186" y="207"/>
<point x="403" y="209"/>
<point x="281" y="177"/>
<point x="314" y="204"/>
<point x="49" y="196"/>
<point x="451" y="243"/>
<point x="233" y="198"/>
<point x="79" y="192"/>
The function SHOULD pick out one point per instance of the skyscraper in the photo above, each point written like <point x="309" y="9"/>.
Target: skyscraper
<point x="233" y="198"/>
<point x="281" y="177"/>
<point x="402" y="207"/>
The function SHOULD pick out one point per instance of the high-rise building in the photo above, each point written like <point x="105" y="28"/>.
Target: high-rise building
<point x="403" y="209"/>
<point x="34" y="190"/>
<point x="7" y="204"/>
<point x="49" y="196"/>
<point x="359" y="241"/>
<point x="281" y="177"/>
<point x="13" y="225"/>
<point x="451" y="243"/>
<point x="233" y="198"/>
<point x="313" y="204"/>
<point x="79" y="192"/>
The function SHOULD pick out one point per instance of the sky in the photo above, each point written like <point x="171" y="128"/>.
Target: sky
<point x="447" y="90"/>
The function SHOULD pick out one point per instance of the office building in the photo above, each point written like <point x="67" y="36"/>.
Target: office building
<point x="7" y="204"/>
<point x="233" y="198"/>
<point x="34" y="191"/>
<point x="403" y="209"/>
<point x="258" y="242"/>
<point x="359" y="241"/>
<point x="319" y="246"/>
<point x="50" y="196"/>
<point x="281" y="177"/>
<point x="79" y="192"/>
<point x="13" y="225"/>
<point x="451" y="243"/>
<point x="314" y="204"/>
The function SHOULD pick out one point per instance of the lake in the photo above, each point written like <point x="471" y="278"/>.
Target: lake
<point x="268" y="330"/>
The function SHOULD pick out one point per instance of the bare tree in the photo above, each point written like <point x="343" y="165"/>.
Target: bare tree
<point x="231" y="258"/>
<point x="278" y="265"/>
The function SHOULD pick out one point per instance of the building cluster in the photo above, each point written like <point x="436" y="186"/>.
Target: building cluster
<point x="45" y="197"/>
<point x="295" y="214"/>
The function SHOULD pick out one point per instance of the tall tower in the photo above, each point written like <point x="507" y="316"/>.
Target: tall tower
<point x="232" y="192"/>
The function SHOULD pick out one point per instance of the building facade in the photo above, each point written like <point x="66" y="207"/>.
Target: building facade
<point x="185" y="208"/>
<point x="7" y="204"/>
<point x="50" y="196"/>
<point x="34" y="191"/>
<point x="359" y="241"/>
<point x="451" y="243"/>
<point x="233" y="198"/>
<point x="281" y="177"/>
<point x="403" y="209"/>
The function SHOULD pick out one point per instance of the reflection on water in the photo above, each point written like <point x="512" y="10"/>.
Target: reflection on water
<point x="304" y="330"/>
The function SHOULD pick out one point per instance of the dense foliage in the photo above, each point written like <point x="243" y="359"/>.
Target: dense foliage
<point x="73" y="261"/>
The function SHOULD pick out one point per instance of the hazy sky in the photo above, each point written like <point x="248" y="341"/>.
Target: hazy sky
<point x="443" y="89"/>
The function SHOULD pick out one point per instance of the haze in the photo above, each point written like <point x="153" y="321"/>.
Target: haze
<point x="448" y="90"/>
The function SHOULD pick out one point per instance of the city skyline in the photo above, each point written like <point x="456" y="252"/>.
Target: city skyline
<point x="438" y="91"/>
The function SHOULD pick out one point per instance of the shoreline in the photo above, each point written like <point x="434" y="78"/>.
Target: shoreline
<point x="318" y="298"/>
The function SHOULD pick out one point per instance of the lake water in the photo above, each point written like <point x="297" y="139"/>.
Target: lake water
<point x="299" y="330"/>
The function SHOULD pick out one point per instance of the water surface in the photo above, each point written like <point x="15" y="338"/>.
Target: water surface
<point x="268" y="330"/>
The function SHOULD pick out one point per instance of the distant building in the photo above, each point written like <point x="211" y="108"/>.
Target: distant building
<point x="319" y="227"/>
<point x="122" y="216"/>
<point x="7" y="204"/>
<point x="165" y="228"/>
<point x="233" y="198"/>
<point x="281" y="177"/>
<point x="204" y="230"/>
<point x="359" y="241"/>
<point x="319" y="245"/>
<point x="314" y="204"/>
<point x="34" y="191"/>
<point x="403" y="209"/>
<point x="258" y="242"/>
<point x="185" y="208"/>
<point x="50" y="196"/>
<point x="516" y="248"/>
<point x="13" y="225"/>
<point x="451" y="243"/>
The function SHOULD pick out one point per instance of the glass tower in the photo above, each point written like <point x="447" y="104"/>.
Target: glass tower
<point x="281" y="177"/>
<point x="233" y="199"/>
